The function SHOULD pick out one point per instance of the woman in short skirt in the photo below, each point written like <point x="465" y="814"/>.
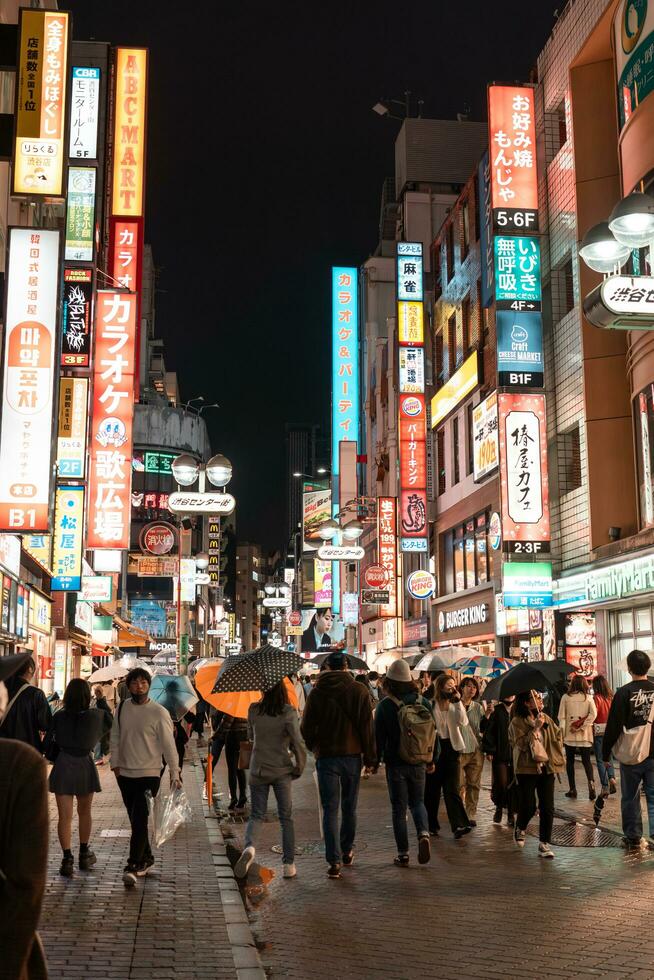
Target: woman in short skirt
<point x="75" y="731"/>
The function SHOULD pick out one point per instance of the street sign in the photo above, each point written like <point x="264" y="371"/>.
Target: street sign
<point x="622" y="303"/>
<point x="332" y="552"/>
<point x="280" y="602"/>
<point x="295" y="618"/>
<point x="202" y="578"/>
<point x="294" y="631"/>
<point x="371" y="597"/>
<point x="376" y="577"/>
<point x="201" y="503"/>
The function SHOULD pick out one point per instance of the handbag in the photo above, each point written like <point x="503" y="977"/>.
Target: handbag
<point x="244" y="754"/>
<point x="633" y="744"/>
<point x="538" y="751"/>
<point x="50" y="747"/>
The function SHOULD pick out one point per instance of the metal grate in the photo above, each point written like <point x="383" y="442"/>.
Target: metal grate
<point x="570" y="834"/>
<point x="316" y="847"/>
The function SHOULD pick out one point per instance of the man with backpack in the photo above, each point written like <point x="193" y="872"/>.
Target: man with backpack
<point x="406" y="743"/>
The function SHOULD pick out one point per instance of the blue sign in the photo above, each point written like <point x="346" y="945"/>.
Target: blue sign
<point x="517" y="272"/>
<point x="68" y="539"/>
<point x="485" y="230"/>
<point x="413" y="544"/>
<point x="409" y="271"/>
<point x="519" y="349"/>
<point x="149" y="615"/>
<point x="345" y="359"/>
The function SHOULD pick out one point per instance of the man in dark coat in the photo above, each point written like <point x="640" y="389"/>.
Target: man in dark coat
<point x="29" y="715"/>
<point x="495" y="744"/>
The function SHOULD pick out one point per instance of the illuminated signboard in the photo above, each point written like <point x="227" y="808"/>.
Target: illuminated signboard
<point x="71" y="435"/>
<point x="39" y="546"/>
<point x="527" y="584"/>
<point x="409" y="272"/>
<point x="410" y="323"/>
<point x="67" y="539"/>
<point x="96" y="588"/>
<point x="461" y="384"/>
<point x="514" y="183"/>
<point x="80" y="214"/>
<point x="519" y="349"/>
<point x="345" y="359"/>
<point x="633" y="37"/>
<point x="485" y="443"/>
<point x="77" y="295"/>
<point x="517" y="272"/>
<point x="387" y="549"/>
<point x="84" y="115"/>
<point x="129" y="132"/>
<point x="40" y="103"/>
<point x="159" y="463"/>
<point x="27" y="394"/>
<point x="412" y="370"/>
<point x="322" y="582"/>
<point x="111" y="429"/>
<point x="523" y="474"/>
<point x="126" y="252"/>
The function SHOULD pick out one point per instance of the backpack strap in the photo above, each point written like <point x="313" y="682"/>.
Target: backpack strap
<point x="12" y="702"/>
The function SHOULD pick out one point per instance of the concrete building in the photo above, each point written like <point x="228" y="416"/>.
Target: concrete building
<point x="250" y="580"/>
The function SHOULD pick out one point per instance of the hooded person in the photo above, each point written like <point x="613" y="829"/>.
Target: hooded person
<point x="23" y="846"/>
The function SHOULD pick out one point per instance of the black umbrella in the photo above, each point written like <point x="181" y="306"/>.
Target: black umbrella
<point x="538" y="675"/>
<point x="258" y="670"/>
<point x="356" y="663"/>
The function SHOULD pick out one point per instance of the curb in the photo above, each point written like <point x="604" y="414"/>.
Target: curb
<point x="247" y="962"/>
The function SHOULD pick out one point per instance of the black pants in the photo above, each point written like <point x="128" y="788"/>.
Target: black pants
<point x="570" y="752"/>
<point x="133" y="793"/>
<point x="501" y="795"/>
<point x="445" y="779"/>
<point x="528" y="787"/>
<point x="235" y="776"/>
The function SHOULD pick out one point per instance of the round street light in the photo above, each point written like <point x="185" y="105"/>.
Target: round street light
<point x="219" y="470"/>
<point x="202" y="560"/>
<point x="185" y="470"/>
<point x="328" y="530"/>
<point x="353" y="531"/>
<point x="269" y="589"/>
<point x="601" y="251"/>
<point x="632" y="220"/>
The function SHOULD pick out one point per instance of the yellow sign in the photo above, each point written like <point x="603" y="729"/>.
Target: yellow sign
<point x="410" y="323"/>
<point x="455" y="390"/>
<point x="71" y="437"/>
<point x="129" y="131"/>
<point x="41" y="103"/>
<point x="39" y="546"/>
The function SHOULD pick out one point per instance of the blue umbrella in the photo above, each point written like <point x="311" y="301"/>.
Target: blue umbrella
<point x="175" y="694"/>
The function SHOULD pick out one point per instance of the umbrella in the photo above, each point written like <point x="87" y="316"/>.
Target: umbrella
<point x="117" y="669"/>
<point x="356" y="663"/>
<point x="444" y="659"/>
<point x="194" y="667"/>
<point x="174" y="693"/>
<point x="257" y="670"/>
<point x="535" y="676"/>
<point x="233" y="703"/>
<point x="484" y="666"/>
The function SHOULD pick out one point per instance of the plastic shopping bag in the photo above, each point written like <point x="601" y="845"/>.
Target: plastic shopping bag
<point x="168" y="811"/>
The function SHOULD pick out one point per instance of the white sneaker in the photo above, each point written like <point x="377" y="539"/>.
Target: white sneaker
<point x="204" y="791"/>
<point x="290" y="871"/>
<point x="519" y="836"/>
<point x="545" y="851"/>
<point x="242" y="865"/>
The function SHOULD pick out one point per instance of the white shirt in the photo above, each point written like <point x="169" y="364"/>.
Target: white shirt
<point x="449" y="723"/>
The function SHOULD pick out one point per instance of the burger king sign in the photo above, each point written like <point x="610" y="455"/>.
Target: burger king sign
<point x="421" y="585"/>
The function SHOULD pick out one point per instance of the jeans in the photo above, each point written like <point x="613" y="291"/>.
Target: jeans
<point x="406" y="788"/>
<point x="445" y="779"/>
<point x="528" y="786"/>
<point x="631" y="778"/>
<point x="133" y="792"/>
<point x="258" y="805"/>
<point x="235" y="776"/>
<point x="607" y="771"/>
<point x="570" y="752"/>
<point x="338" y="782"/>
<point x="471" y="765"/>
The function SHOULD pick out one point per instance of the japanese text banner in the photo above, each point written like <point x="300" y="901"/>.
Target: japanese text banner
<point x="514" y="180"/>
<point x="345" y="359"/>
<point x="387" y="549"/>
<point x="523" y="470"/>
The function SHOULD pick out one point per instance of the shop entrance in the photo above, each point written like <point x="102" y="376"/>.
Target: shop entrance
<point x="629" y="629"/>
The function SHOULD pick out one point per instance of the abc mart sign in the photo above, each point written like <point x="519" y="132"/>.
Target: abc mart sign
<point x="610" y="583"/>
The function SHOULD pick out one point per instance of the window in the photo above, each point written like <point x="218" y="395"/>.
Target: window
<point x="451" y="344"/>
<point x="563" y="126"/>
<point x="644" y="427"/>
<point x="465" y="228"/>
<point x="438" y="273"/>
<point x="456" y="476"/>
<point x="470" y="447"/>
<point x="449" y="241"/>
<point x="465" y="554"/>
<point x="440" y="460"/>
<point x="438" y="358"/>
<point x="569" y="460"/>
<point x="465" y="333"/>
<point x="459" y="566"/>
<point x="481" y="548"/>
<point x="565" y="290"/>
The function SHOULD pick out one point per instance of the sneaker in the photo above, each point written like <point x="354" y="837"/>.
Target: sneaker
<point x="572" y="794"/>
<point x="204" y="792"/>
<point x="86" y="860"/>
<point x="334" y="871"/>
<point x="434" y="833"/>
<point x="497" y="816"/>
<point x="348" y="859"/>
<point x="545" y="851"/>
<point x="145" y="866"/>
<point x="591" y="791"/>
<point x="129" y="876"/>
<point x="424" y="849"/>
<point x="612" y="786"/>
<point x="461" y="832"/>
<point x="67" y="867"/>
<point x="402" y="861"/>
<point x="633" y="843"/>
<point x="243" y="864"/>
<point x="289" y="871"/>
<point x="519" y="836"/>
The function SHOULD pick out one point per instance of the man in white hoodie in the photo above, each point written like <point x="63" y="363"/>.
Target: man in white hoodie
<point x="142" y="733"/>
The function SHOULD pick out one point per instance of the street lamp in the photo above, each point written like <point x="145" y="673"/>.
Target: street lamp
<point x="353" y="530"/>
<point x="601" y="251"/>
<point x="185" y="469"/>
<point x="219" y="470"/>
<point x="632" y="220"/>
<point x="329" y="529"/>
<point x="202" y="560"/>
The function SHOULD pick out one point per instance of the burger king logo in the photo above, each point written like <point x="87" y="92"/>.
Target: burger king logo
<point x="412" y="406"/>
<point x="421" y="585"/>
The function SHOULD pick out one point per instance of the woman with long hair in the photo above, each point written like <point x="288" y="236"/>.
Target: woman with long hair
<point x="74" y="732"/>
<point x="577" y="712"/>
<point x="603" y="696"/>
<point x="451" y="717"/>
<point x="316" y="635"/>
<point x="274" y="731"/>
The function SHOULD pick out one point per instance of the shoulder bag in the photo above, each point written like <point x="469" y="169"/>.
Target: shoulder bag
<point x="245" y="754"/>
<point x="12" y="702"/>
<point x="633" y="744"/>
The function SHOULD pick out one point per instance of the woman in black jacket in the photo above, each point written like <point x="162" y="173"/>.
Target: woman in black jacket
<point x="75" y="731"/>
<point x="496" y="746"/>
<point x="235" y="731"/>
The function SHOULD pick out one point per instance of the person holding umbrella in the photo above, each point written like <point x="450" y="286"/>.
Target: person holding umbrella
<point x="274" y="730"/>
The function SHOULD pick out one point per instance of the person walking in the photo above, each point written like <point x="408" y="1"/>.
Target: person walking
<point x="102" y="703"/>
<point x="451" y="718"/>
<point x="235" y="731"/>
<point x="74" y="732"/>
<point x="23" y="847"/>
<point x="217" y="740"/>
<point x="471" y="760"/>
<point x="603" y="696"/>
<point x="337" y="726"/>
<point x="142" y="733"/>
<point x="497" y="747"/>
<point x="537" y="743"/>
<point x="405" y="732"/>
<point x="28" y="714"/>
<point x="274" y="730"/>
<point x="631" y="709"/>
<point x="577" y="712"/>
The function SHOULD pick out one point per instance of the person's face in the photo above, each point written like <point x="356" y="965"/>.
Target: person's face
<point x="509" y="701"/>
<point x="448" y="687"/>
<point x="468" y="690"/>
<point x="28" y="674"/>
<point x="138" y="687"/>
<point x="535" y="702"/>
<point x="324" y="622"/>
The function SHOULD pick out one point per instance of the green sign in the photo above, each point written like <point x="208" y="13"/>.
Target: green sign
<point x="159" y="463"/>
<point x="183" y="650"/>
<point x="517" y="271"/>
<point x="80" y="214"/>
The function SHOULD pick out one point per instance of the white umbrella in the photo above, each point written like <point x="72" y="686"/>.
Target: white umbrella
<point x="444" y="658"/>
<point x="117" y="669"/>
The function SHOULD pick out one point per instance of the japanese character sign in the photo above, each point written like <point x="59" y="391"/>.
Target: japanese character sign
<point x="40" y="103"/>
<point x="84" y="105"/>
<point x="129" y="132"/>
<point x="523" y="469"/>
<point x="485" y="427"/>
<point x="345" y="359"/>
<point x="76" y="317"/>
<point x="27" y="397"/>
<point x="80" y="214"/>
<point x="125" y="251"/>
<point x="413" y="470"/>
<point x="387" y="549"/>
<point x="512" y="150"/>
<point x="71" y="437"/>
<point x="67" y="539"/>
<point x="111" y="431"/>
<point x="517" y="271"/>
<point x="409" y="272"/>
<point x="412" y="370"/>
<point x="410" y="323"/>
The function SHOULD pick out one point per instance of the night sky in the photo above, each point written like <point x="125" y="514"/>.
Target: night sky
<point x="265" y="167"/>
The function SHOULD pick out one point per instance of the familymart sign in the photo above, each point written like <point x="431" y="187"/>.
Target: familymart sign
<point x="608" y="584"/>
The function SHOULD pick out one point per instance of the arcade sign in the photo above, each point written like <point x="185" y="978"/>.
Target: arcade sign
<point x="183" y="502"/>
<point x="332" y="552"/>
<point x="622" y="303"/>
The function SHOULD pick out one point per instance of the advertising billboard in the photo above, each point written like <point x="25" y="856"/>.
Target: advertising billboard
<point x="413" y="473"/>
<point x="462" y="383"/>
<point x="68" y="538"/>
<point x="387" y="550"/>
<point x="517" y="272"/>
<point x="409" y="272"/>
<point x="71" y="434"/>
<point x="519" y="349"/>
<point x="76" y="321"/>
<point x="316" y="509"/>
<point x="40" y="103"/>
<point x="485" y="443"/>
<point x="129" y="132"/>
<point x="527" y="584"/>
<point x="523" y="474"/>
<point x="322" y="582"/>
<point x="80" y="214"/>
<point x="345" y="359"/>
<point x="28" y="380"/>
<point x="633" y="41"/>
<point x="410" y="323"/>
<point x="84" y="113"/>
<point x="111" y="428"/>
<point x="126" y="252"/>
<point x="512" y="149"/>
<point x="412" y="370"/>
